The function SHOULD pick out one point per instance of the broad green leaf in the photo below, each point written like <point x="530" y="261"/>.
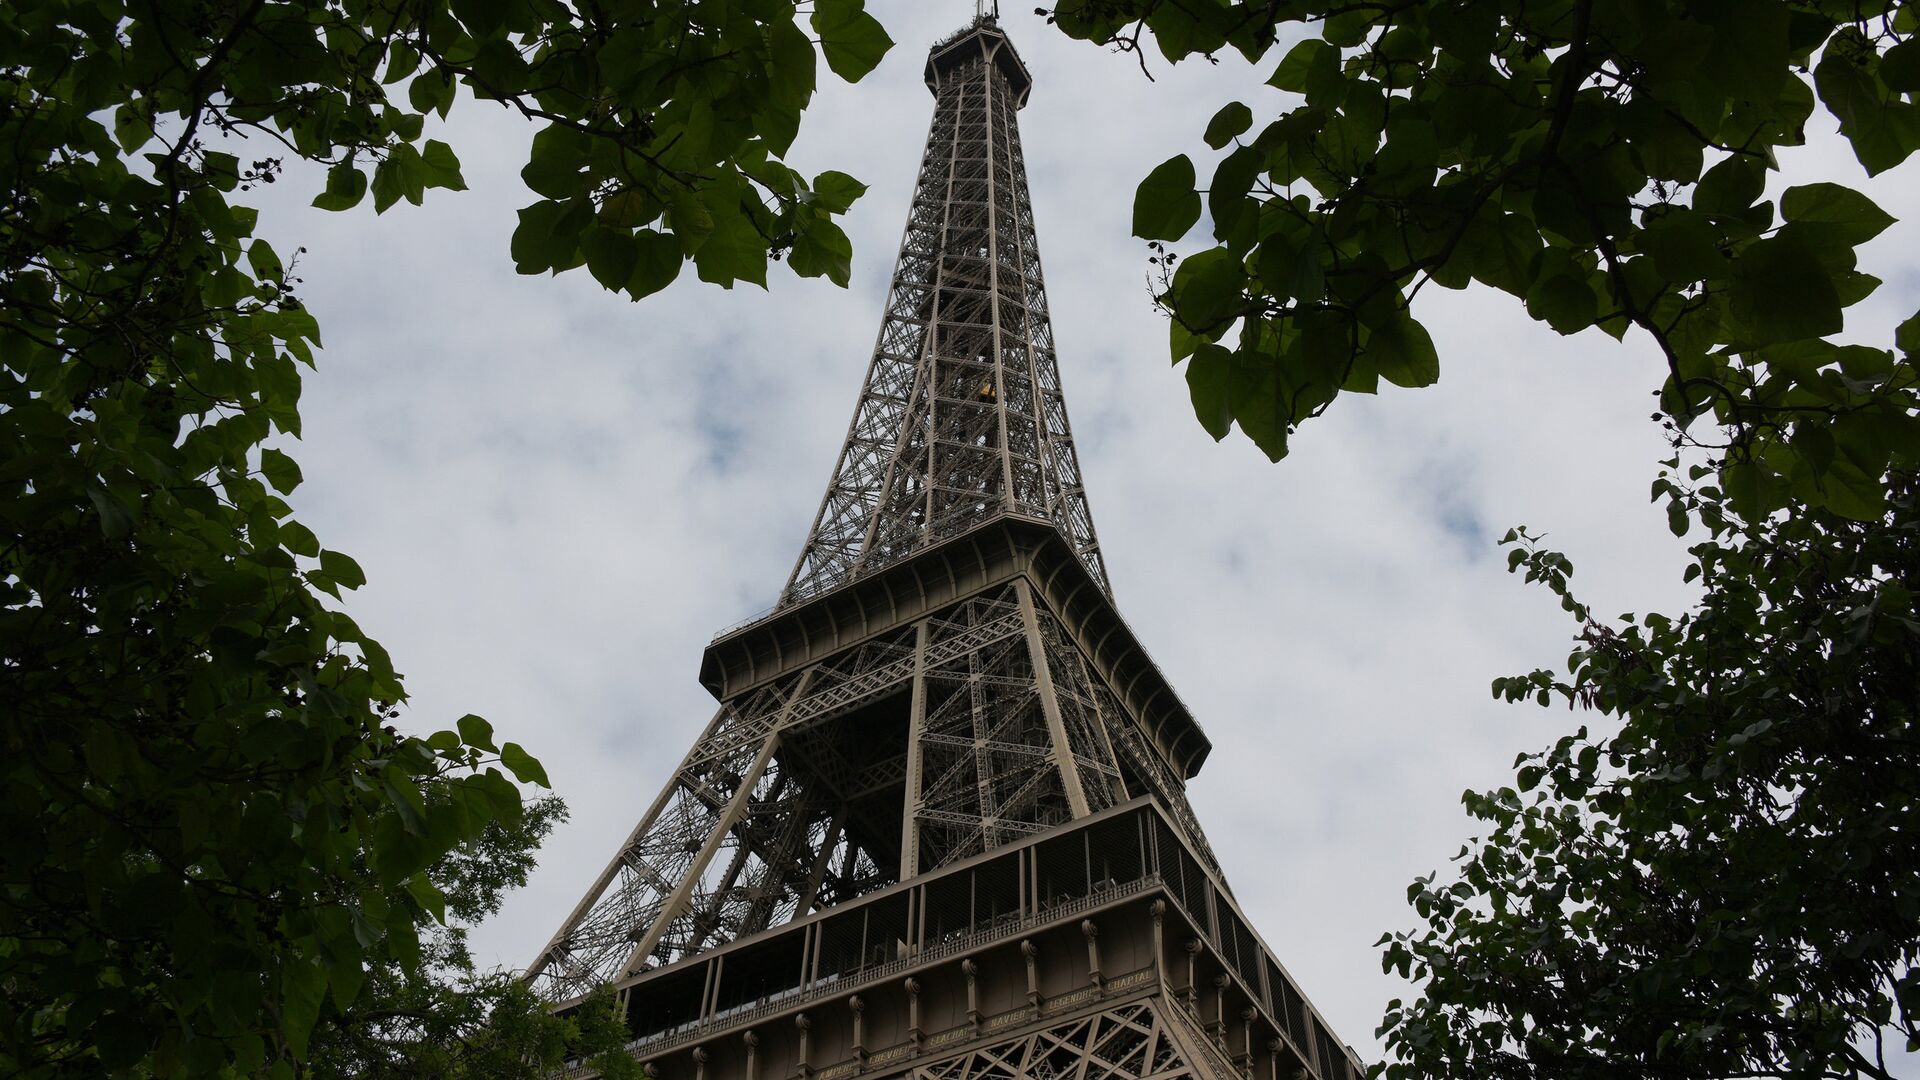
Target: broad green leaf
<point x="1166" y="204"/>
<point x="1883" y="131"/>
<point x="303" y="988"/>
<point x="475" y="731"/>
<point x="1207" y="288"/>
<point x="1906" y="338"/>
<point x="835" y="192"/>
<point x="1299" y="63"/>
<point x="657" y="262"/>
<point x="823" y="249"/>
<point x="265" y="261"/>
<point x="735" y="251"/>
<point x="523" y="765"/>
<point x="612" y="255"/>
<point x="346" y="186"/>
<point x="1685" y="247"/>
<point x="440" y="167"/>
<point x="1845" y="213"/>
<point x="1731" y="186"/>
<point x="1563" y="301"/>
<point x="1402" y="352"/>
<point x="1208" y="374"/>
<point x="852" y="40"/>
<point x="280" y="470"/>
<point x="1899" y="67"/>
<point x="1780" y="293"/>
<point x="342" y="569"/>
<point x="1231" y="121"/>
<point x="428" y="896"/>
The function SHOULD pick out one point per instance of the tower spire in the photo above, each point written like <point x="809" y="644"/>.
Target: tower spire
<point x="961" y="416"/>
<point x="938" y="828"/>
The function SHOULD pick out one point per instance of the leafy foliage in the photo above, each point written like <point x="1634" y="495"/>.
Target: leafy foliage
<point x="1604" y="163"/>
<point x="210" y="829"/>
<point x="443" y="1017"/>
<point x="1726" y="886"/>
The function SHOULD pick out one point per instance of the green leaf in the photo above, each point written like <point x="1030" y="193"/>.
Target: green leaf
<point x="1501" y="248"/>
<point x="280" y="470"/>
<point x="548" y="237"/>
<point x="431" y="91"/>
<point x="1208" y="288"/>
<point x="1300" y="62"/>
<point x="388" y="184"/>
<point x="1781" y="293"/>
<point x="1731" y="186"/>
<point x="1899" y="67"/>
<point x="1403" y="353"/>
<point x="657" y="262"/>
<point x="116" y="519"/>
<point x="1231" y="121"/>
<point x="131" y="128"/>
<point x="303" y="988"/>
<point x="1883" y="131"/>
<point x="475" y="731"/>
<point x="428" y="896"/>
<point x="736" y="250"/>
<point x="1906" y="337"/>
<point x="1167" y="204"/>
<point x="612" y="256"/>
<point x="1208" y="378"/>
<point x="1563" y="301"/>
<point x="441" y="167"/>
<point x="346" y="974"/>
<point x="342" y="569"/>
<point x="346" y="186"/>
<point x="1847" y="215"/>
<point x="1685" y="247"/>
<point x="852" y="40"/>
<point x="823" y="249"/>
<point x="265" y="261"/>
<point x="835" y="192"/>
<point x="525" y="768"/>
<point x="1228" y="198"/>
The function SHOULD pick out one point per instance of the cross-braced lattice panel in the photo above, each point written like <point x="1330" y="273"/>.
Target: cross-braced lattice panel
<point x="991" y="770"/>
<point x="1074" y="693"/>
<point x="961" y="416"/>
<point x="600" y="940"/>
<point x="1126" y="1042"/>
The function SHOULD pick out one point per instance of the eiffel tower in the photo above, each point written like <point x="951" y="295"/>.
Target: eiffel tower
<point x="938" y="827"/>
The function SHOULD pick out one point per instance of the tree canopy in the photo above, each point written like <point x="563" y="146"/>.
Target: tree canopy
<point x="220" y="852"/>
<point x="212" y="827"/>
<point x="1724" y="885"/>
<point x="1605" y="164"/>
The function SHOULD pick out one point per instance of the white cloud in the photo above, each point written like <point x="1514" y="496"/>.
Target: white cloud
<point x="559" y="496"/>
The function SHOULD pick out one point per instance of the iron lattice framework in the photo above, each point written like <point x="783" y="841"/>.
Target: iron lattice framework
<point x="943" y="759"/>
<point x="976" y="725"/>
<point x="961" y="414"/>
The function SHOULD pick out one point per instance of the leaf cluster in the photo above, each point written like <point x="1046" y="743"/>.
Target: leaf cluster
<point x="213" y="833"/>
<point x="444" y="1017"/>
<point x="1606" y="164"/>
<point x="1728" y="885"/>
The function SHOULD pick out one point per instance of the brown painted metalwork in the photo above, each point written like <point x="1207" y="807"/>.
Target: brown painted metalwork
<point x="943" y="771"/>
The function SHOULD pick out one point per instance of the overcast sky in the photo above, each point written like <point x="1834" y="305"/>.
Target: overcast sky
<point x="559" y="495"/>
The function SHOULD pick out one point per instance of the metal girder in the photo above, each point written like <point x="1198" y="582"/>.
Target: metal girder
<point x="953" y="729"/>
<point x="961" y="414"/>
<point x="1139" y="1040"/>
